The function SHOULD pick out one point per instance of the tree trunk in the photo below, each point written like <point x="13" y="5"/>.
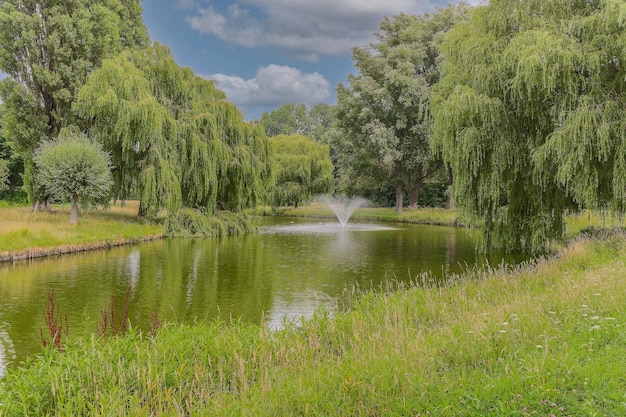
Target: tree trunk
<point x="399" y="198"/>
<point x="74" y="212"/>
<point x="42" y="205"/>
<point x="142" y="210"/>
<point x="414" y="197"/>
<point x="449" y="190"/>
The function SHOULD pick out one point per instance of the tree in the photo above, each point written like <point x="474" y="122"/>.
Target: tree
<point x="298" y="119"/>
<point x="383" y="114"/>
<point x="530" y="115"/>
<point x="173" y="136"/>
<point x="75" y="167"/>
<point x="48" y="49"/>
<point x="4" y="169"/>
<point x="4" y="174"/>
<point x="289" y="119"/>
<point x="302" y="169"/>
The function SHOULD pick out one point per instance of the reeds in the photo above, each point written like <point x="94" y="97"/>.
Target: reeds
<point x="56" y="325"/>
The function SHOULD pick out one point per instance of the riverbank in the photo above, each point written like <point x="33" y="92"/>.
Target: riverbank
<point x="545" y="339"/>
<point x="25" y="234"/>
<point x="574" y="223"/>
<point x="428" y="215"/>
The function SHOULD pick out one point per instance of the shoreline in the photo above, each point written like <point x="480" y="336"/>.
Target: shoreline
<point x="39" y="252"/>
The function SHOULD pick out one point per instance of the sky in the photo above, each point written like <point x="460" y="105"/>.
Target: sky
<point x="265" y="53"/>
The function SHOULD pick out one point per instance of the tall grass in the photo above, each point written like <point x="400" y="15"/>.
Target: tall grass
<point x="23" y="229"/>
<point x="545" y="339"/>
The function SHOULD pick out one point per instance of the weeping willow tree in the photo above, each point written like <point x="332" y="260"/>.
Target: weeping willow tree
<point x="173" y="137"/>
<point x="529" y="114"/>
<point x="302" y="169"/>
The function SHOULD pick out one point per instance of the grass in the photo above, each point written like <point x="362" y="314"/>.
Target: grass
<point x="23" y="229"/>
<point x="587" y="219"/>
<point x="546" y="339"/>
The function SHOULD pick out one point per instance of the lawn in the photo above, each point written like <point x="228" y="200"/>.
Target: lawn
<point x="22" y="229"/>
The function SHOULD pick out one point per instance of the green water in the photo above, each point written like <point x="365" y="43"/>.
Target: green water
<point x="285" y="271"/>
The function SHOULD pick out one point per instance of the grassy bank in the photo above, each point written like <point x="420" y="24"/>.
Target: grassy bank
<point x="434" y="216"/>
<point x="438" y="216"/>
<point x="545" y="340"/>
<point x="23" y="230"/>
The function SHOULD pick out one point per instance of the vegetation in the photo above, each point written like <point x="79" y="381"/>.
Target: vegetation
<point x="193" y="223"/>
<point x="528" y="114"/>
<point x="48" y="49"/>
<point x="292" y="119"/>
<point x="21" y="229"/>
<point x="545" y="339"/>
<point x="436" y="216"/>
<point x="521" y="99"/>
<point x="74" y="166"/>
<point x="383" y="115"/>
<point x="4" y="175"/>
<point x="302" y="170"/>
<point x="173" y="137"/>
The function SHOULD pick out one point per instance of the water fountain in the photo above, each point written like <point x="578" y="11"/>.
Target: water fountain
<point x="343" y="207"/>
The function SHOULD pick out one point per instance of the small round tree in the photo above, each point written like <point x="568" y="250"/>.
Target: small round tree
<point x="75" y="167"/>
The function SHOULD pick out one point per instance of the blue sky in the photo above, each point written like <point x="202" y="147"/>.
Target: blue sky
<point x="265" y="53"/>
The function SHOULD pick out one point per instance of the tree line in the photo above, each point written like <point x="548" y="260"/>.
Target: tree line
<point x="513" y="109"/>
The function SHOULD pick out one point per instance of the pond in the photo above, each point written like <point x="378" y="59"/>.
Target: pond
<point x="286" y="271"/>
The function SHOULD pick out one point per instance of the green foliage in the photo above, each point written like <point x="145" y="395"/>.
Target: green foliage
<point x="529" y="115"/>
<point x="4" y="174"/>
<point x="188" y="222"/>
<point x="292" y="119"/>
<point x="48" y="49"/>
<point x="74" y="167"/>
<point x="302" y="169"/>
<point x="173" y="136"/>
<point x="383" y="115"/>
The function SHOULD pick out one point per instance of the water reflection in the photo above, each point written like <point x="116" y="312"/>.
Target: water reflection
<point x="264" y="277"/>
<point x="7" y="352"/>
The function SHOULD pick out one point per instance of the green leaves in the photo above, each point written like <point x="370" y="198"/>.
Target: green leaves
<point x="73" y="166"/>
<point x="172" y="135"/>
<point x="528" y="114"/>
<point x="302" y="169"/>
<point x="48" y="49"/>
<point x="383" y="115"/>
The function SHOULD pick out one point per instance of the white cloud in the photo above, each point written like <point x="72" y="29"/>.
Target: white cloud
<point x="273" y="86"/>
<point x="306" y="28"/>
<point x="186" y="4"/>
